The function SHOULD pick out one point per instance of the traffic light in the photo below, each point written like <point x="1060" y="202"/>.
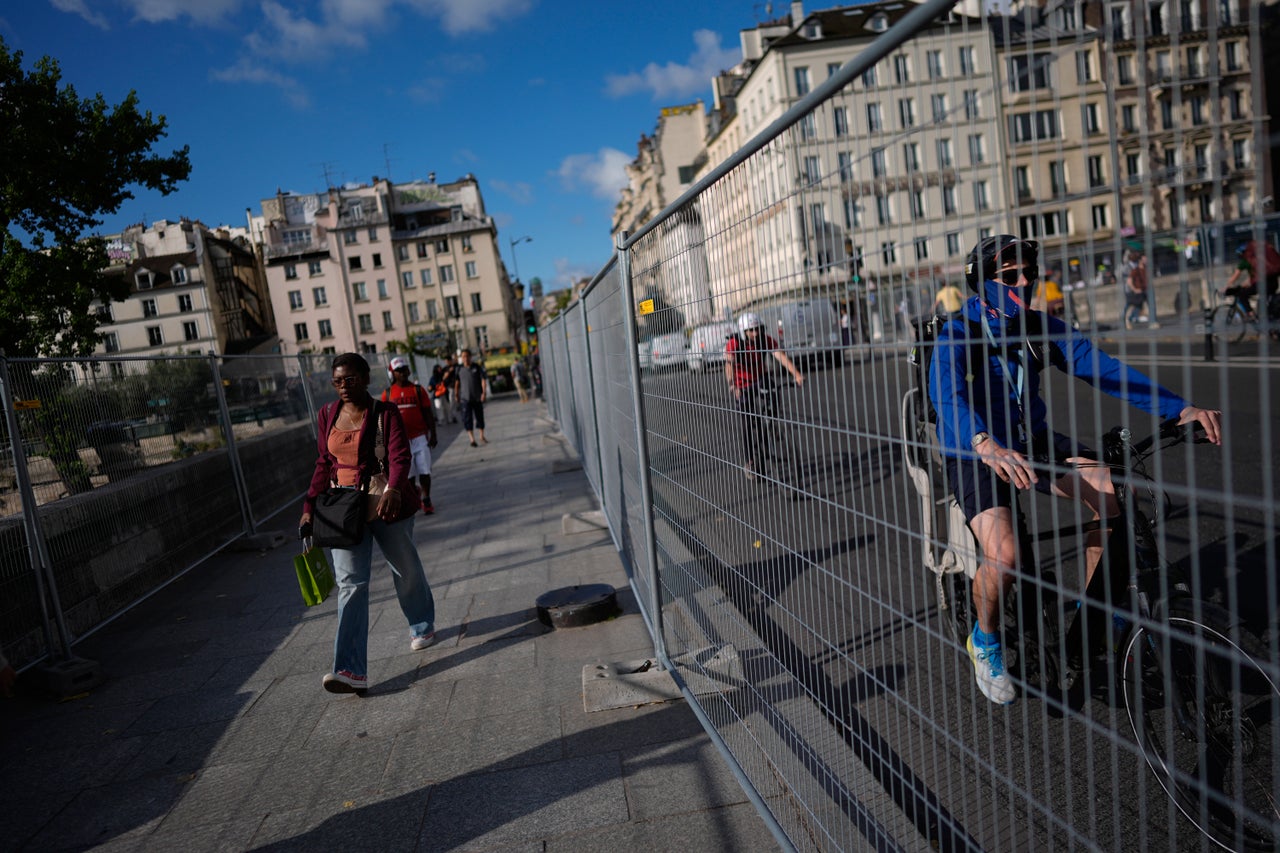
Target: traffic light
<point x="857" y="267"/>
<point x="530" y="323"/>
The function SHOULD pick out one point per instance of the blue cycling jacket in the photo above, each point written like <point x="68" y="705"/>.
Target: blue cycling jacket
<point x="970" y="399"/>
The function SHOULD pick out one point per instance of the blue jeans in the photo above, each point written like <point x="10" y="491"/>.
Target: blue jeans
<point x="352" y="567"/>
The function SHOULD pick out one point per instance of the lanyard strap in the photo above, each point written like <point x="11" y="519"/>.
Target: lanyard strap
<point x="1016" y="378"/>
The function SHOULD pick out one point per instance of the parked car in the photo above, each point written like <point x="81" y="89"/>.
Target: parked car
<point x="706" y="345"/>
<point x="645" y="351"/>
<point x="668" y="350"/>
<point x="805" y="328"/>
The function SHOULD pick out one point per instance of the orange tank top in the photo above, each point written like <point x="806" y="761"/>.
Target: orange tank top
<point x="344" y="444"/>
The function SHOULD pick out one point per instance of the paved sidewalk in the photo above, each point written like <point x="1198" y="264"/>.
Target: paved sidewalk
<point x="213" y="733"/>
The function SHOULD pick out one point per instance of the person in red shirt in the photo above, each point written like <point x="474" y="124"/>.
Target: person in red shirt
<point x="747" y="372"/>
<point x="419" y="423"/>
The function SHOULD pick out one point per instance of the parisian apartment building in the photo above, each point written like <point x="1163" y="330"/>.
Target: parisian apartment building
<point x="191" y="289"/>
<point x="1087" y="126"/>
<point x="369" y="267"/>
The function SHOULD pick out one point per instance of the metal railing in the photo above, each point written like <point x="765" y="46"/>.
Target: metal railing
<point x="814" y="537"/>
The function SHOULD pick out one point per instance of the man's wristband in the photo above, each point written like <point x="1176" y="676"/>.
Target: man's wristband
<point x="978" y="439"/>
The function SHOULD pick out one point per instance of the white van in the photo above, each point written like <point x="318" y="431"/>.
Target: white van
<point x="804" y="328"/>
<point x="706" y="345"/>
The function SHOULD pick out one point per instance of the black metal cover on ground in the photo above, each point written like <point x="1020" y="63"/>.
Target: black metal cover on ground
<point x="574" y="606"/>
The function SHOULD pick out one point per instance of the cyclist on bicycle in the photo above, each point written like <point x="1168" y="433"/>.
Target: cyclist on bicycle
<point x="746" y="371"/>
<point x="1253" y="258"/>
<point x="984" y="383"/>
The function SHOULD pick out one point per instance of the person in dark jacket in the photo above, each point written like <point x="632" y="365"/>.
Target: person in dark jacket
<point x="345" y="457"/>
<point x="984" y="382"/>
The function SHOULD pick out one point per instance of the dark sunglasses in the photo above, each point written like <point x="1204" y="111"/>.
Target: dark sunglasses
<point x="348" y="381"/>
<point x="1010" y="277"/>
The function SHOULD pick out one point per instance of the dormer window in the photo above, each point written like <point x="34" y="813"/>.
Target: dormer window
<point x="878" y="23"/>
<point x="144" y="279"/>
<point x="179" y="275"/>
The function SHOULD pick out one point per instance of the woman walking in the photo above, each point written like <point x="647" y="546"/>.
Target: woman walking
<point x="346" y="458"/>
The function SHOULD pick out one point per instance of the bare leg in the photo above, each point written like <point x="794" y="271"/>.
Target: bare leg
<point x="998" y="543"/>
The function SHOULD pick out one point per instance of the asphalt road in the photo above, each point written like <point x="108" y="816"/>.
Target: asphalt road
<point x="833" y="587"/>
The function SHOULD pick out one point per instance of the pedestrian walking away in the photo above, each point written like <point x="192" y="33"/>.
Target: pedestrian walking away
<point x="992" y="425"/>
<point x="346" y="459"/>
<point x="419" y="417"/>
<point x="949" y="299"/>
<point x="1135" y="296"/>
<point x="449" y="378"/>
<point x="520" y="377"/>
<point x="470" y="389"/>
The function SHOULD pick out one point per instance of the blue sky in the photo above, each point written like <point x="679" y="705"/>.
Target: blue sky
<point x="543" y="100"/>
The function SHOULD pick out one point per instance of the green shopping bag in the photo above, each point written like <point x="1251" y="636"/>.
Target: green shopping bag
<point x="315" y="576"/>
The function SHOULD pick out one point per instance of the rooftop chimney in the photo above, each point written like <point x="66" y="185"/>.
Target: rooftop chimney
<point x="797" y="12"/>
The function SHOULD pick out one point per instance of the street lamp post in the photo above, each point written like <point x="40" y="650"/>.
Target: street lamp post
<point x="518" y="287"/>
<point x="515" y="266"/>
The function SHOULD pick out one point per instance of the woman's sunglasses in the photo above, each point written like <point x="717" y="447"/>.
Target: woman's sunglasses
<point x="1010" y="277"/>
<point x="348" y="381"/>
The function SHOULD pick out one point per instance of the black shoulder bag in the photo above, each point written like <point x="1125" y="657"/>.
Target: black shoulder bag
<point x="341" y="513"/>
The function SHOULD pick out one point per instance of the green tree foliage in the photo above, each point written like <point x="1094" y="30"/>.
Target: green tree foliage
<point x="65" y="162"/>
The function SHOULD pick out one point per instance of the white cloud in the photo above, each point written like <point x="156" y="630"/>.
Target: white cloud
<point x="569" y="273"/>
<point x="519" y="192"/>
<point x="603" y="174"/>
<point x="469" y="16"/>
<point x="674" y="80"/>
<point x="427" y="90"/>
<point x="245" y="71"/>
<point x="292" y="37"/>
<point x="81" y="8"/>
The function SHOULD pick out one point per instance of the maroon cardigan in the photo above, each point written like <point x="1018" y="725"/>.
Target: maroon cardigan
<point x="397" y="441"/>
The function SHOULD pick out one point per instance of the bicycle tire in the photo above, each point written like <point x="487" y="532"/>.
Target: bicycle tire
<point x="1217" y="765"/>
<point x="1229" y="323"/>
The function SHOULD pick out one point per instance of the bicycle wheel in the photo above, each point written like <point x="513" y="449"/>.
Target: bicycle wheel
<point x="1229" y="323"/>
<point x="1204" y="711"/>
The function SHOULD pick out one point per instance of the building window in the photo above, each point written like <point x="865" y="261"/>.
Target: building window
<point x="884" y="210"/>
<point x="1138" y="215"/>
<point x="179" y="275"/>
<point x="840" y="121"/>
<point x="1128" y="118"/>
<point x="808" y="127"/>
<point x="878" y="169"/>
<point x="149" y="308"/>
<point x="1042" y="124"/>
<point x="852" y="214"/>
<point x="802" y="81"/>
<point x="1029" y="72"/>
<point x="1057" y="177"/>
<point x="922" y="248"/>
<point x="844" y="162"/>
<point x="1244" y="202"/>
<point x="452" y="308"/>
<point x="869" y="78"/>
<point x="470" y="270"/>
<point x="981" y="198"/>
<point x="907" y="112"/>
<point x="296" y="240"/>
<point x="1175" y="212"/>
<point x="977" y="151"/>
<point x="1096" y="176"/>
<point x="144" y="279"/>
<point x="944" y="153"/>
<point x="1240" y="153"/>
<point x="424" y="249"/>
<point x="295" y="300"/>
<point x="917" y="204"/>
<point x="933" y="59"/>
<point x="482" y="337"/>
<point x="832" y="68"/>
<point x="889" y="252"/>
<point x="1233" y="55"/>
<point x="426" y="276"/>
<point x="949" y="200"/>
<point x="402" y="253"/>
<point x="1166" y="115"/>
<point x="902" y="68"/>
<point x="938" y="104"/>
<point x="1236" y="98"/>
<point x="314" y="268"/>
<point x="1226" y="12"/>
<point x="354" y="263"/>
<point x="972" y="110"/>
<point x="350" y="237"/>
<point x="382" y="287"/>
<point x="446" y="273"/>
<point x="965" y="55"/>
<point x="413" y="312"/>
<point x="184" y="302"/>
<point x="812" y="170"/>
<point x="1133" y="165"/>
<point x="442" y="246"/>
<point x="366" y="323"/>
<point x="1022" y="182"/>
<point x="874" y="121"/>
<point x="325" y="328"/>
<point x="111" y="342"/>
<point x="387" y="325"/>
<point x="1089" y="117"/>
<point x="953" y="243"/>
<point x="373" y="237"/>
<point x="911" y="156"/>
<point x="300" y="332"/>
<point x="1100" y="218"/>
<point x="190" y="331"/>
<point x="1084" y="66"/>
<point x="465" y="240"/>
<point x="433" y="312"/>
<point x="1067" y="19"/>
<point x="319" y="296"/>
<point x="377" y="259"/>
<point x="359" y="291"/>
<point x="475" y="303"/>
<point x="1124" y="70"/>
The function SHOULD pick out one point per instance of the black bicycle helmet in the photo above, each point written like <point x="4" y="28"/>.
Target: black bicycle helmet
<point x="985" y="259"/>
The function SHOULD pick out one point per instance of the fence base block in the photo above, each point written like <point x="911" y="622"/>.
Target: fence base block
<point x="71" y="677"/>
<point x="583" y="522"/>
<point x="608" y="686"/>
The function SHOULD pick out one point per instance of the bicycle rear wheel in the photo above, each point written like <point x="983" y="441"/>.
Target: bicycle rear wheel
<point x="1205" y="712"/>
<point x="1229" y="323"/>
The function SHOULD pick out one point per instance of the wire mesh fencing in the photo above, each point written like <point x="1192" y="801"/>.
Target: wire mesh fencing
<point x="867" y="465"/>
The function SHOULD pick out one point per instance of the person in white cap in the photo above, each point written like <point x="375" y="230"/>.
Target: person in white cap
<point x="419" y="422"/>
<point x="746" y="371"/>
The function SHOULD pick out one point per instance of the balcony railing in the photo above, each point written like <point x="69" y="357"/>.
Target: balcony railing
<point x="284" y="250"/>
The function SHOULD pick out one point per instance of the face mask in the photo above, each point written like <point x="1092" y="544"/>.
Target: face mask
<point x="1008" y="301"/>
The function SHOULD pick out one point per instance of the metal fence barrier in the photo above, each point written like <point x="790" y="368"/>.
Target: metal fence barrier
<point x="811" y="532"/>
<point x="107" y="462"/>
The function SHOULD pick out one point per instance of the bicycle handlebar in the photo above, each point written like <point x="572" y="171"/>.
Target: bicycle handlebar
<point x="1115" y="441"/>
